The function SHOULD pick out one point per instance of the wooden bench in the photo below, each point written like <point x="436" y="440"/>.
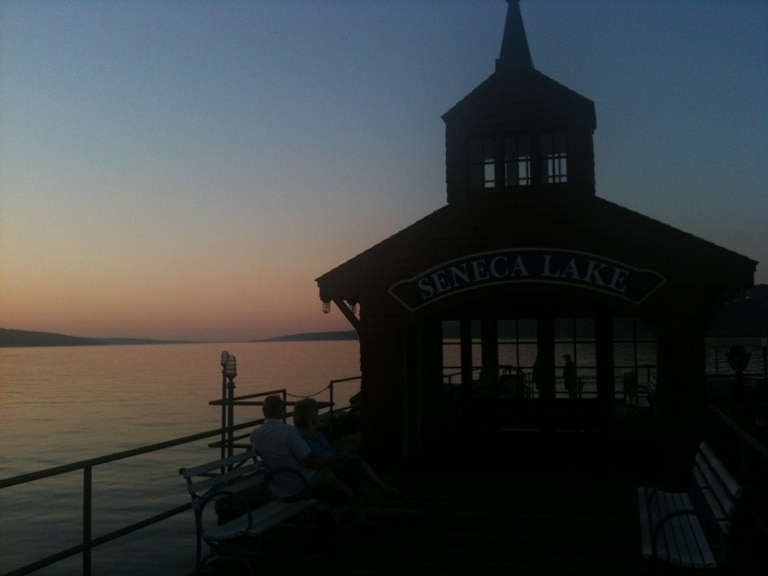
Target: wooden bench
<point x="692" y="528"/>
<point x="228" y="481"/>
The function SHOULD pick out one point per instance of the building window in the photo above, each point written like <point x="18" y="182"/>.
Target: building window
<point x="517" y="161"/>
<point x="526" y="160"/>
<point x="554" y="158"/>
<point x="482" y="159"/>
<point x="635" y="361"/>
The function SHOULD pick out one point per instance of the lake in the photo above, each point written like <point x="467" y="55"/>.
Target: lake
<point x="61" y="405"/>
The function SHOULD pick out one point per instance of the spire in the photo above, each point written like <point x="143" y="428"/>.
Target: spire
<point x="515" y="55"/>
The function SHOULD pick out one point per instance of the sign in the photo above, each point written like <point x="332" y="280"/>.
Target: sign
<point x="527" y="265"/>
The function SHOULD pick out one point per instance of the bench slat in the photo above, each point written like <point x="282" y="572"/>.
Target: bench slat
<point x="197" y="487"/>
<point x="670" y="528"/>
<point x="643" y="494"/>
<point x="710" y="479"/>
<point x="724" y="477"/>
<point x="721" y="510"/>
<point x="685" y="538"/>
<point x="217" y="464"/>
<point x="265" y="518"/>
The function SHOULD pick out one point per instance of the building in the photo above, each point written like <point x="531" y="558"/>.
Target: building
<point x="466" y="316"/>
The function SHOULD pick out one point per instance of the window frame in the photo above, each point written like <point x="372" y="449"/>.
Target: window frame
<point x="518" y="160"/>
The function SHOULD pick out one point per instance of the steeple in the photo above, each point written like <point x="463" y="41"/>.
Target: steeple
<point x="515" y="55"/>
<point x="519" y="134"/>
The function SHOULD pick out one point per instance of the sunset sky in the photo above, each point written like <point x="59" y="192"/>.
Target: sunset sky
<point x="185" y="169"/>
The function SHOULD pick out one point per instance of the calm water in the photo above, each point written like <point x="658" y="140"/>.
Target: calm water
<point x="61" y="405"/>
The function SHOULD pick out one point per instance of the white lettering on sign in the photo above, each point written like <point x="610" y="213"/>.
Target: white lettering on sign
<point x="561" y="266"/>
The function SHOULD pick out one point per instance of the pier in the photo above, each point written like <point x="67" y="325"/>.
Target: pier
<point x="511" y="501"/>
<point x="525" y="503"/>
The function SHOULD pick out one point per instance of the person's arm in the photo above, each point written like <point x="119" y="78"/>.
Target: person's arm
<point x="303" y="453"/>
<point x="311" y="461"/>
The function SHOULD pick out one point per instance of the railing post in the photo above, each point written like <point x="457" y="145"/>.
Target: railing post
<point x="224" y="357"/>
<point x="230" y="371"/>
<point x="230" y="417"/>
<point x="330" y="420"/>
<point x="87" y="518"/>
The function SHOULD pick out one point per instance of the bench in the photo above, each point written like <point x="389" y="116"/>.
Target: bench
<point x="236" y="482"/>
<point x="692" y="528"/>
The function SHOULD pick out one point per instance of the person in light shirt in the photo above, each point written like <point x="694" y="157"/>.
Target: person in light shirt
<point x="281" y="446"/>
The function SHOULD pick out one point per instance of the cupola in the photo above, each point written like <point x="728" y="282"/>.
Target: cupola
<point x="519" y="133"/>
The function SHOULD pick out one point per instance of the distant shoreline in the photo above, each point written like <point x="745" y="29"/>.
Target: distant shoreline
<point x="313" y="337"/>
<point x="30" y="339"/>
<point x="27" y="338"/>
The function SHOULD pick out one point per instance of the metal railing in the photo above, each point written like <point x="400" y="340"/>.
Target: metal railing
<point x="228" y="402"/>
<point x="228" y="441"/>
<point x="746" y="457"/>
<point x="86" y="466"/>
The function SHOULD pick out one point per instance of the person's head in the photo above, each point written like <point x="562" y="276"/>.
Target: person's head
<point x="273" y="407"/>
<point x="304" y="412"/>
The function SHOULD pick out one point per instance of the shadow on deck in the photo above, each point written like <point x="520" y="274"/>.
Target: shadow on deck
<point x="528" y="503"/>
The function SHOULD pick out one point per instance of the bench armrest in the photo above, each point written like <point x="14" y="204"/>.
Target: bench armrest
<point x="213" y="496"/>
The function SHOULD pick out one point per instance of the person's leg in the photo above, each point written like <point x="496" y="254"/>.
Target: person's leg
<point x="328" y="488"/>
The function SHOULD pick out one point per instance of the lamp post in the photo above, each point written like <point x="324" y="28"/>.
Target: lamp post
<point x="764" y="346"/>
<point x="224" y="356"/>
<point x="230" y="371"/>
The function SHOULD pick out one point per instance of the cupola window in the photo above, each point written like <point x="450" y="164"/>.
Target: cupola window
<point x="482" y="159"/>
<point x="518" y="160"/>
<point x="554" y="158"/>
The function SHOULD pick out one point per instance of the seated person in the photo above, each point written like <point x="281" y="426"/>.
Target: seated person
<point x="352" y="469"/>
<point x="280" y="445"/>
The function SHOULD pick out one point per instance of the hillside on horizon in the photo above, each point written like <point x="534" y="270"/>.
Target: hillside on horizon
<point x="27" y="338"/>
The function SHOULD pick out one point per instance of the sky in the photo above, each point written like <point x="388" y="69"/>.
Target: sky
<point x="185" y="169"/>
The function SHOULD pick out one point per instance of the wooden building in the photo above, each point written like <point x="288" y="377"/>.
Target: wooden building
<point x="466" y="316"/>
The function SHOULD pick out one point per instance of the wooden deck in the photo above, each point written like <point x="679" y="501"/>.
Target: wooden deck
<point x="526" y="504"/>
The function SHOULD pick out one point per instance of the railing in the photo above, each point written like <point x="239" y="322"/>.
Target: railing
<point x="644" y="381"/>
<point x="87" y="466"/>
<point x="745" y="455"/>
<point x="746" y="458"/>
<point x="228" y="441"/>
<point x="228" y="402"/>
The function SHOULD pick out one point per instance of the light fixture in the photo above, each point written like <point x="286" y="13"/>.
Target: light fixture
<point x="224" y="356"/>
<point x="231" y="366"/>
<point x="326" y="306"/>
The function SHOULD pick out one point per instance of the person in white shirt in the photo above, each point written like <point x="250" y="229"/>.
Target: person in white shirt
<point x="281" y="446"/>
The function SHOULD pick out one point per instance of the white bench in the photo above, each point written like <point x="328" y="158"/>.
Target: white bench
<point x="692" y="528"/>
<point x="226" y="480"/>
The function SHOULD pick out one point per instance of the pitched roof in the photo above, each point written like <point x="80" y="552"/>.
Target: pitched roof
<point x="591" y="225"/>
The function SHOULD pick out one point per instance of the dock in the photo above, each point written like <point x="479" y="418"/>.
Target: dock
<point x="526" y="503"/>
